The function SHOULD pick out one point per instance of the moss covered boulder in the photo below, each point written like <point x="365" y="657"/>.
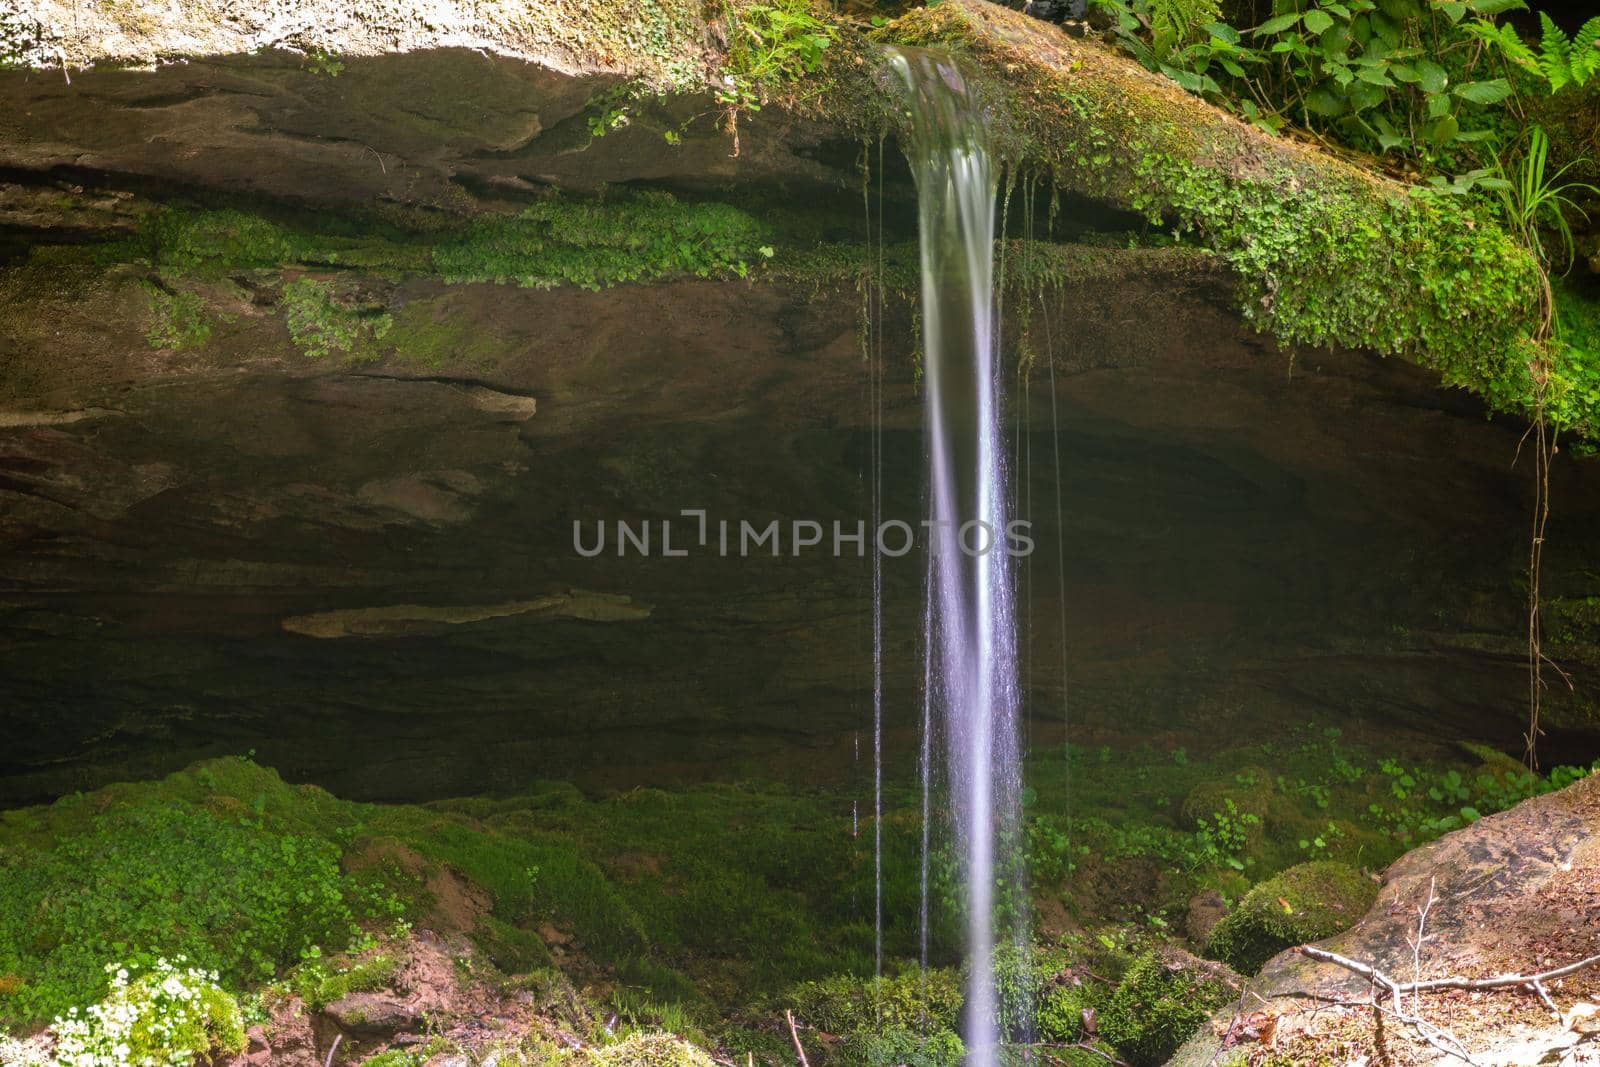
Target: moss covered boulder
<point x="844" y="1003"/>
<point x="1304" y="903"/>
<point x="1162" y="999"/>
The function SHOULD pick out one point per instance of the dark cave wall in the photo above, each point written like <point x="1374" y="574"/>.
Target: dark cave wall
<point x="1248" y="533"/>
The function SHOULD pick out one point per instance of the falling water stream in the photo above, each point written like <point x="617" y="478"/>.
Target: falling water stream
<point x="971" y="673"/>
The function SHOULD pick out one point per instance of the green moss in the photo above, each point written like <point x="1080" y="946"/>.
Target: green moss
<point x="318" y="985"/>
<point x="511" y="948"/>
<point x="643" y="236"/>
<point x="424" y="333"/>
<point x="1573" y="396"/>
<point x="912" y="1001"/>
<point x="646" y="236"/>
<point x="902" y="1048"/>
<point x="1059" y="1011"/>
<point x="648" y="1050"/>
<point x="1574" y="620"/>
<point x="1303" y="904"/>
<point x="1157" y="1006"/>
<point x="243" y="878"/>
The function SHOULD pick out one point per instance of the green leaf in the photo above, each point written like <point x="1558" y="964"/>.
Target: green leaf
<point x="1222" y="32"/>
<point x="1375" y="76"/>
<point x="1385" y="29"/>
<point x="1276" y="25"/>
<point x="1363" y="96"/>
<point x="1404" y="73"/>
<point x="1318" y="22"/>
<point x="1191" y="81"/>
<point x="1496" y="7"/>
<point x="1454" y="11"/>
<point x="1326" y="102"/>
<point x="1433" y="78"/>
<point x="1484" y="92"/>
<point x="1443" y="130"/>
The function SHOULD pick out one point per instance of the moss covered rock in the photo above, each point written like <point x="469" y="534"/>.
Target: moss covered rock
<point x="912" y="1001"/>
<point x="1250" y="790"/>
<point x="1302" y="904"/>
<point x="1162" y="999"/>
<point x="650" y="1050"/>
<point x="901" y="1048"/>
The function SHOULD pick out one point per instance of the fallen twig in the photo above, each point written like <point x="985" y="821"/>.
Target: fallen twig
<point x="333" y="1051"/>
<point x="1422" y="937"/>
<point x="1505" y="981"/>
<point x="794" y="1035"/>
<point x="1435" y="1035"/>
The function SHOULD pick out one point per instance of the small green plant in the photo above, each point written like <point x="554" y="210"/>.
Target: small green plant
<point x="168" y="1016"/>
<point x="770" y="45"/>
<point x="612" y="118"/>
<point x="1322" y="845"/>
<point x="1225" y="835"/>
<point x="1535" y="201"/>
<point x="178" y="319"/>
<point x="320" y="324"/>
<point x="610" y="110"/>
<point x="1401" y="76"/>
<point x="1174" y="23"/>
<point x="323" y="62"/>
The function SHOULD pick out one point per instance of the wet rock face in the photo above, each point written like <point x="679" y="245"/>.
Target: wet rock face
<point x="451" y="130"/>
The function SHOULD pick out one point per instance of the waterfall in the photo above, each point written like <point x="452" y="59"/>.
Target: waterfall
<point x="971" y="642"/>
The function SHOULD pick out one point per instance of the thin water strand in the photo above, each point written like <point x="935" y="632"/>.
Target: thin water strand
<point x="972" y="651"/>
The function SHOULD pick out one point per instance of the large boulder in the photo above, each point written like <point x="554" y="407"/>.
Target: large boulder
<point x="1514" y="893"/>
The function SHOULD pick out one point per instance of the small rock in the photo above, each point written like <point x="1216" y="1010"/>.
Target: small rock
<point x="1205" y="911"/>
<point x="372" y="1014"/>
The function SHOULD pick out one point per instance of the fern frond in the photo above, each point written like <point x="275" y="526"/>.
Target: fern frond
<point x="1585" y="57"/>
<point x="1506" y="40"/>
<point x="1555" y="53"/>
<point x="1174" y="23"/>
